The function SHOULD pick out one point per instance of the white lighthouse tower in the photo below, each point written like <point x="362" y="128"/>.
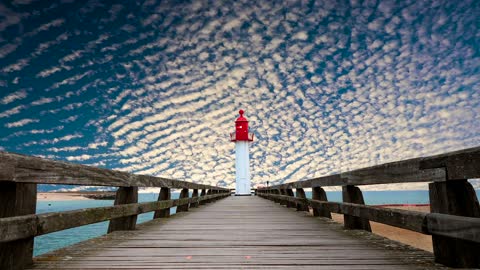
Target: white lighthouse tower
<point x="242" y="137"/>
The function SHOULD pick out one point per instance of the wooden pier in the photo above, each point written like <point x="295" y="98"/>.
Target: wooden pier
<point x="258" y="234"/>
<point x="279" y="228"/>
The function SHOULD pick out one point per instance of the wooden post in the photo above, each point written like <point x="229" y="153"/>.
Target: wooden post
<point x="352" y="194"/>
<point x="124" y="195"/>
<point x="301" y="195"/>
<point x="277" y="192"/>
<point x="283" y="192"/>
<point x="319" y="194"/>
<point x="455" y="197"/>
<point x="203" y="193"/>
<point x="194" y="195"/>
<point x="165" y="194"/>
<point x="17" y="199"/>
<point x="209" y="192"/>
<point x="290" y="193"/>
<point x="183" y="195"/>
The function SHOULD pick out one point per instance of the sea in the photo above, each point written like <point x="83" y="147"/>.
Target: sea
<point x="56" y="240"/>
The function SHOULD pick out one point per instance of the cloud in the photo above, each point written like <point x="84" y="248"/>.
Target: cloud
<point x="21" y="123"/>
<point x="21" y="94"/>
<point x="327" y="88"/>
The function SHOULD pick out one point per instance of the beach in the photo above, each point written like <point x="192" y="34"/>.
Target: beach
<point x="63" y="196"/>
<point x="418" y="240"/>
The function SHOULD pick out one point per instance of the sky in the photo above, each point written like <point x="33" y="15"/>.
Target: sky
<point x="154" y="87"/>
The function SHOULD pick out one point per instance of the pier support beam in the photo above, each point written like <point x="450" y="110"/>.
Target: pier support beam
<point x="165" y="194"/>
<point x="352" y="194"/>
<point x="125" y="195"/>
<point x="319" y="194"/>
<point x="301" y="195"/>
<point x="17" y="199"/>
<point x="455" y="197"/>
<point x="183" y="195"/>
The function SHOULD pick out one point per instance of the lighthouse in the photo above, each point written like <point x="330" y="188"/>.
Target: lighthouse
<point x="242" y="137"/>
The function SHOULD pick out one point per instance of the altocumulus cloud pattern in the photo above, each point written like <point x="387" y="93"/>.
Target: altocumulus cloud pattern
<point x="153" y="87"/>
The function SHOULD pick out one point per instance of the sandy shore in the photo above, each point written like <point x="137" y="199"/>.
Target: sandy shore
<point x="61" y="196"/>
<point x="411" y="238"/>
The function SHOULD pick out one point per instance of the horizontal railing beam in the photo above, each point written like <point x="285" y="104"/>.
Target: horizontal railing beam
<point x="463" y="164"/>
<point x="27" y="169"/>
<point x="459" y="227"/>
<point x="20" y="227"/>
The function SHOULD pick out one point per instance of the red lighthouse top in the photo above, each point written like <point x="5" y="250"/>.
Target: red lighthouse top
<point x="241" y="129"/>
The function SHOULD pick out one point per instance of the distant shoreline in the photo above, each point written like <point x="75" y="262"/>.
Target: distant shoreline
<point x="75" y="196"/>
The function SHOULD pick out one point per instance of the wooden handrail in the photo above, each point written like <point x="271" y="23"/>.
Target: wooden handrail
<point x="455" y="219"/>
<point x="459" y="227"/>
<point x="21" y="227"/>
<point x="27" y="169"/>
<point x="20" y="174"/>
<point x="461" y="164"/>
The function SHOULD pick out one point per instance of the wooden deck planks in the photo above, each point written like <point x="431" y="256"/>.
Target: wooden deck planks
<point x="238" y="232"/>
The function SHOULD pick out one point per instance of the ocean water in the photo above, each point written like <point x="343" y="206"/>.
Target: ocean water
<point x="52" y="241"/>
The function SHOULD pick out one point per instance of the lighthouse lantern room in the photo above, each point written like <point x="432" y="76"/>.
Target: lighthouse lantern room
<point x="242" y="137"/>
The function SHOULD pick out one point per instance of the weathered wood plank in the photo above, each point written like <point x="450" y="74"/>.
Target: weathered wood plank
<point x="164" y="195"/>
<point x="319" y="194"/>
<point x="194" y="194"/>
<point x="455" y="198"/>
<point x="21" y="227"/>
<point x="460" y="227"/>
<point x="463" y="164"/>
<point x="271" y="236"/>
<point x="17" y="199"/>
<point x="352" y="194"/>
<point x="28" y="169"/>
<point x="183" y="195"/>
<point x="301" y="195"/>
<point x="124" y="195"/>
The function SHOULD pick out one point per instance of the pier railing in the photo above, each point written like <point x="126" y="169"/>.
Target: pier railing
<point x="20" y="174"/>
<point x="454" y="221"/>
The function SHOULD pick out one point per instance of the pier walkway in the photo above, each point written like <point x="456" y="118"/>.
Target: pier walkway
<point x="233" y="233"/>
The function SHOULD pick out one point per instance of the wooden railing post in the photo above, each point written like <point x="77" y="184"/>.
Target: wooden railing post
<point x="283" y="192"/>
<point x="124" y="195"/>
<point x="194" y="195"/>
<point x="203" y="193"/>
<point x="455" y="197"/>
<point x="352" y="194"/>
<point x="319" y="194"/>
<point x="301" y="195"/>
<point x="276" y="192"/>
<point x="17" y="199"/>
<point x="183" y="195"/>
<point x="289" y="192"/>
<point x="209" y="192"/>
<point x="165" y="194"/>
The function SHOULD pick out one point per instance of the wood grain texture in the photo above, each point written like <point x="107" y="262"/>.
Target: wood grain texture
<point x="124" y="195"/>
<point x="258" y="234"/>
<point x="28" y="169"/>
<point x="164" y="195"/>
<point x="301" y="195"/>
<point x="21" y="227"/>
<point x="17" y="199"/>
<point x="319" y="194"/>
<point x="463" y="164"/>
<point x="455" y="198"/>
<point x="184" y="195"/>
<point x="352" y="194"/>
